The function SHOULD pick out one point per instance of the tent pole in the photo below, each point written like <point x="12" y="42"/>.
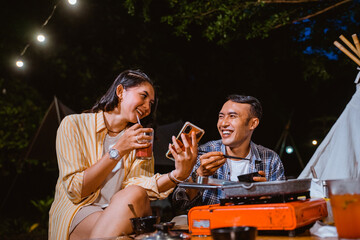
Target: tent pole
<point x="283" y="137"/>
<point x="57" y="109"/>
<point x="283" y="143"/>
<point x="297" y="152"/>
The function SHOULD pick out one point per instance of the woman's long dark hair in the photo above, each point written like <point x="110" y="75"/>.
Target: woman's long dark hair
<point x="128" y="79"/>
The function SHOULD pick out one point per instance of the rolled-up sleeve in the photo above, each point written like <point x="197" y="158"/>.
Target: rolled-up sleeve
<point x="70" y="159"/>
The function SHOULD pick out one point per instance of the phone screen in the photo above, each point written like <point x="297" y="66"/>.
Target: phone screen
<point x="187" y="129"/>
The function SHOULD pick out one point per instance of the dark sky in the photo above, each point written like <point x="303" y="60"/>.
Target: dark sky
<point x="88" y="45"/>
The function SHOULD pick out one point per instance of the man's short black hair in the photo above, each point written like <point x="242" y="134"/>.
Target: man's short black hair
<point x="255" y="110"/>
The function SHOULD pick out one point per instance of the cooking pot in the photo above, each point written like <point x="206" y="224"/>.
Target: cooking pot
<point x="234" y="233"/>
<point x="144" y="224"/>
<point x="163" y="233"/>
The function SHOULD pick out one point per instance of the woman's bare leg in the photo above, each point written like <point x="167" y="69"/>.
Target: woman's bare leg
<point x="114" y="221"/>
<point x="83" y="229"/>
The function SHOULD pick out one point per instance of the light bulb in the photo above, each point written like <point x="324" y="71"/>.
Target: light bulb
<point x="40" y="38"/>
<point x="19" y="63"/>
<point x="72" y="2"/>
<point x="289" y="150"/>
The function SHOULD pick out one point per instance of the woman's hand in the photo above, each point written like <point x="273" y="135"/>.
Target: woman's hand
<point x="210" y="162"/>
<point x="133" y="138"/>
<point x="185" y="156"/>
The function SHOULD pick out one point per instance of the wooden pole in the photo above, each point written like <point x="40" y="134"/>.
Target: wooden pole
<point x="356" y="42"/>
<point x="344" y="50"/>
<point x="349" y="45"/>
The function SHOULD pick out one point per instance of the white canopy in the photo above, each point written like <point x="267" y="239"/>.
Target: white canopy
<point x="338" y="155"/>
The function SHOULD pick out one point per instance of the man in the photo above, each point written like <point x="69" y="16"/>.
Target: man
<point x="237" y="120"/>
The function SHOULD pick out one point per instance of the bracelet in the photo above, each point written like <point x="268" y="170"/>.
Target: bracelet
<point x="171" y="178"/>
<point x="177" y="180"/>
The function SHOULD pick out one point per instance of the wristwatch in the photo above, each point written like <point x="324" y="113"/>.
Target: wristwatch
<point x="114" y="154"/>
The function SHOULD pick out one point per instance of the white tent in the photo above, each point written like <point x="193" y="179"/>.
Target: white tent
<point x="338" y="156"/>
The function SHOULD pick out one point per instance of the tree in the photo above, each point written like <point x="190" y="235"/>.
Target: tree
<point x="223" y="21"/>
<point x="19" y="119"/>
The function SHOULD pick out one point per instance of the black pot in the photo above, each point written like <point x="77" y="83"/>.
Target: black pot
<point x="144" y="224"/>
<point x="234" y="233"/>
<point x="163" y="233"/>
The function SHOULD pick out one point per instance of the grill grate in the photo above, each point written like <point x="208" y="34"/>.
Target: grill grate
<point x="278" y="198"/>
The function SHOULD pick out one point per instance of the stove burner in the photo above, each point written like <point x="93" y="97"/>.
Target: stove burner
<point x="280" y="198"/>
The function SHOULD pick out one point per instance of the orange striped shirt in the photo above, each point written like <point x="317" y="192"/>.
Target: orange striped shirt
<point x="79" y="145"/>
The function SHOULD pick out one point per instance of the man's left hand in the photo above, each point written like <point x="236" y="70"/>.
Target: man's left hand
<point x="260" y="179"/>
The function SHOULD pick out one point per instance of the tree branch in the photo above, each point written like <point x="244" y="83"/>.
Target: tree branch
<point x="287" y="1"/>
<point x="315" y="14"/>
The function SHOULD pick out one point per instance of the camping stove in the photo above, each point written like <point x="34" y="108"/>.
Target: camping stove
<point x="288" y="216"/>
<point x="288" y="209"/>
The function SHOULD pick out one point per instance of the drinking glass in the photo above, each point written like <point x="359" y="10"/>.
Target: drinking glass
<point x="146" y="153"/>
<point x="345" y="204"/>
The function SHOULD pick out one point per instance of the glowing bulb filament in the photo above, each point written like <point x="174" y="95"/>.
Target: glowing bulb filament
<point x="72" y="2"/>
<point x="40" y="38"/>
<point x="289" y="149"/>
<point x="19" y="63"/>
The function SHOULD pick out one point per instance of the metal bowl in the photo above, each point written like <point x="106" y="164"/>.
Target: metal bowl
<point x="234" y="233"/>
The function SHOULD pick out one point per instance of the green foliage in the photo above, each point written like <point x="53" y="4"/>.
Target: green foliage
<point x="130" y="5"/>
<point x="43" y="206"/>
<point x="225" y="20"/>
<point x="18" y="229"/>
<point x="15" y="225"/>
<point x="20" y="115"/>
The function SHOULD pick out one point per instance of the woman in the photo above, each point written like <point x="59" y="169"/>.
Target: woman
<point x="99" y="174"/>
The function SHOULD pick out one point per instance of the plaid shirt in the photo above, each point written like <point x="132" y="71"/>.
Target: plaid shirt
<point x="270" y="163"/>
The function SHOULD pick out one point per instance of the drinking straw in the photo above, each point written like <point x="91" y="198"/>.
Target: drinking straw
<point x="138" y="119"/>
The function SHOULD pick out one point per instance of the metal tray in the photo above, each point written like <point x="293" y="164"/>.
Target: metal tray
<point x="242" y="189"/>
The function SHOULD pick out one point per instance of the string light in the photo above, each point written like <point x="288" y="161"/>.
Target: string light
<point x="41" y="38"/>
<point x="19" y="63"/>
<point x="72" y="2"/>
<point x="314" y="142"/>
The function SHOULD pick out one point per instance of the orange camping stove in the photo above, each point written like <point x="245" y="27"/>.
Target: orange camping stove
<point x="286" y="216"/>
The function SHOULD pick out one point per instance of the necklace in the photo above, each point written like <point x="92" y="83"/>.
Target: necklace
<point x="112" y="131"/>
<point x="106" y="125"/>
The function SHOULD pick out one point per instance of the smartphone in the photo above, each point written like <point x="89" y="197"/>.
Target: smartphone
<point x="187" y="129"/>
<point x="248" y="177"/>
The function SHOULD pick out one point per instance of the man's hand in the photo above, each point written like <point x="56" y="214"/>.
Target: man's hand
<point x="210" y="162"/>
<point x="260" y="179"/>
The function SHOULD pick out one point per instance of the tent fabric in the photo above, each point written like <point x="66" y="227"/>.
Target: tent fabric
<point x="42" y="146"/>
<point x="338" y="155"/>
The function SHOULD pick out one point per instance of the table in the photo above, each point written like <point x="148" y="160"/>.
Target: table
<point x="302" y="237"/>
